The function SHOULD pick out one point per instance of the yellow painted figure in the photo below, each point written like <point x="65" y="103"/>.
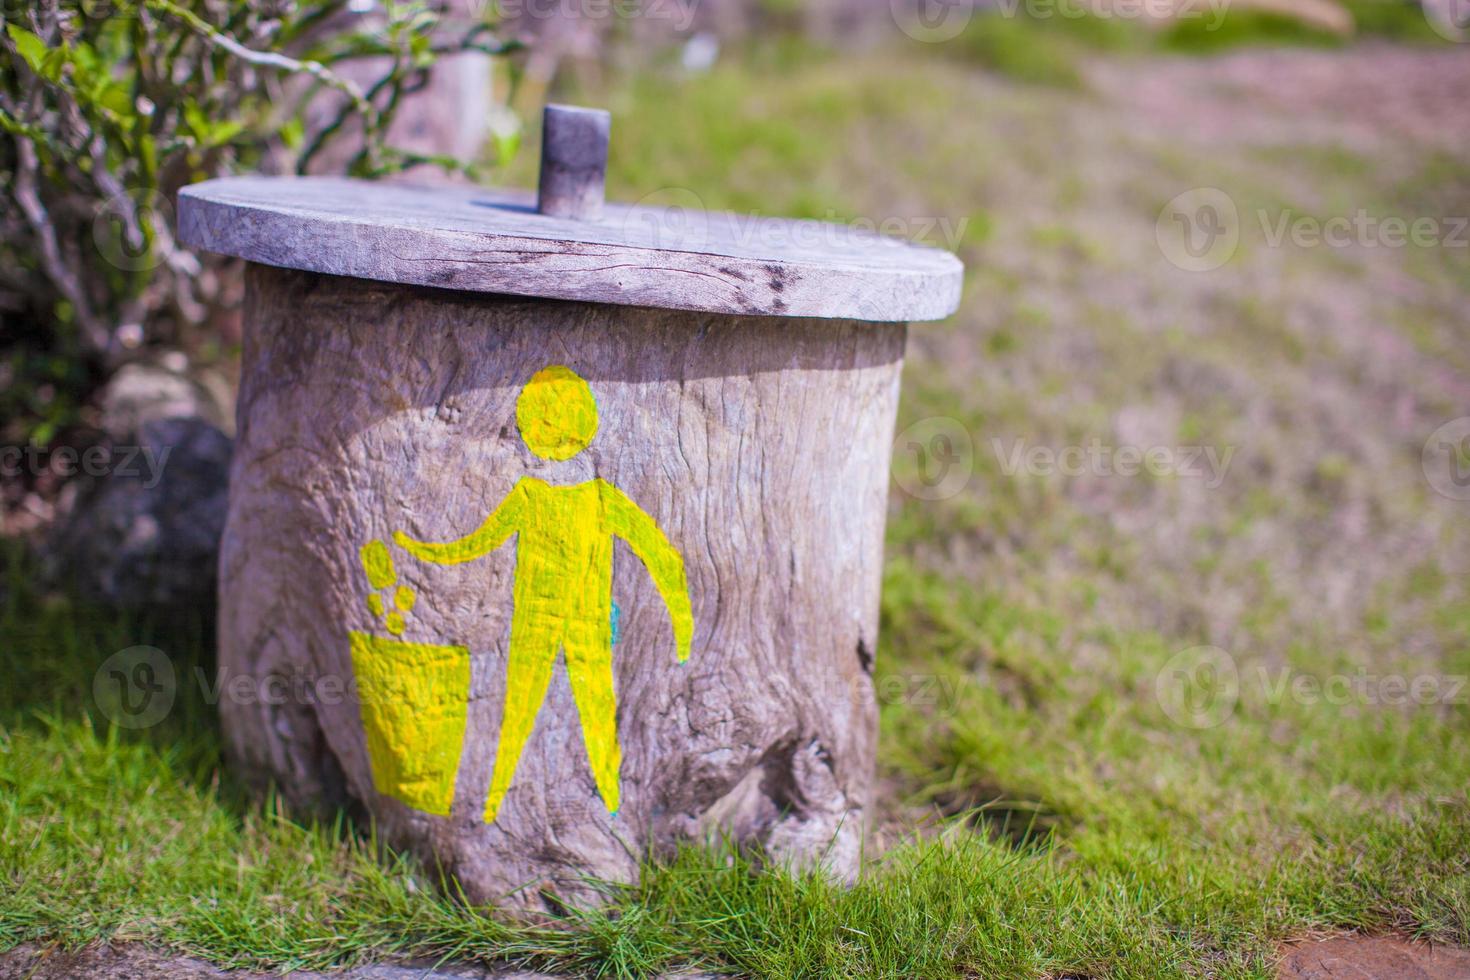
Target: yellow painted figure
<point x="563" y="580"/>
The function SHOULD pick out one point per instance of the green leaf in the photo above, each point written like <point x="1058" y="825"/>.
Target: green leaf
<point x="225" y="130"/>
<point x="293" y="132"/>
<point x="210" y="132"/>
<point x="41" y="59"/>
<point x="420" y="47"/>
<point x="94" y="81"/>
<point x="506" y="144"/>
<point x="30" y="45"/>
<point x="195" y="118"/>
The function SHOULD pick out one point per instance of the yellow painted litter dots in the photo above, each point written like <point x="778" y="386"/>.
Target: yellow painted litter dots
<point x="378" y="564"/>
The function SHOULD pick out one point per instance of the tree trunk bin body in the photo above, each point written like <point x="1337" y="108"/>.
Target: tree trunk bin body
<point x="484" y="453"/>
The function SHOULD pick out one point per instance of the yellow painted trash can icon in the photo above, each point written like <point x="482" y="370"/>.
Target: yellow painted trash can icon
<point x="413" y="698"/>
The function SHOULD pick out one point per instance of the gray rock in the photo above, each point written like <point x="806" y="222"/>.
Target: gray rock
<point x="142" y="393"/>
<point x="143" y="524"/>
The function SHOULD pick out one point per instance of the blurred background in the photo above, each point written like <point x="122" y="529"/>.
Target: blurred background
<point x="1176" y="612"/>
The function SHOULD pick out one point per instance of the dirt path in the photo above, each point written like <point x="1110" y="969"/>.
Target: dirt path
<point x="134" y="962"/>
<point x="130" y="961"/>
<point x="1372" y="958"/>
<point x="1364" y="98"/>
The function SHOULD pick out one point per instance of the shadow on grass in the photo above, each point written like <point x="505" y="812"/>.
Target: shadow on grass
<point x="134" y="677"/>
<point x="58" y="652"/>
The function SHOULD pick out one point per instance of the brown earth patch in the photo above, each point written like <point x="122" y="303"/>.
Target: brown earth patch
<point x="131" y="961"/>
<point x="1372" y="958"/>
<point x="134" y="961"/>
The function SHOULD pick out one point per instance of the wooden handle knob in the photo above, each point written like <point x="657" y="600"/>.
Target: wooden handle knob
<point x="573" y="162"/>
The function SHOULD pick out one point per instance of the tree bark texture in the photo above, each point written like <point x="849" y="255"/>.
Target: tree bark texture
<point x="356" y="671"/>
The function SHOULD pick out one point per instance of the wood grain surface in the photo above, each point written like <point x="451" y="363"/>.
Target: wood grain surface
<point x="495" y="241"/>
<point x="759" y="445"/>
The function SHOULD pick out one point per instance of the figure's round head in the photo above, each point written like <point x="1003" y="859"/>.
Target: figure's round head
<point x="556" y="413"/>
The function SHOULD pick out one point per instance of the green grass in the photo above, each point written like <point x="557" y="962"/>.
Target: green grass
<point x="1063" y="823"/>
<point x="1044" y="43"/>
<point x="1161" y="854"/>
<point x="1041" y="52"/>
<point x="1392" y="19"/>
<point x="1239" y="28"/>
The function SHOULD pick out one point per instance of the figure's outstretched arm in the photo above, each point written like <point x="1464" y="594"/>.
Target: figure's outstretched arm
<point x="501" y="524"/>
<point x="628" y="521"/>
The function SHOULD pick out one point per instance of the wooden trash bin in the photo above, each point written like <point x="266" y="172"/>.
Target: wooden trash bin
<point x="554" y="541"/>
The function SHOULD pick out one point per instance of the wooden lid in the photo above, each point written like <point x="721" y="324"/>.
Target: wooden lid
<point x="497" y="242"/>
